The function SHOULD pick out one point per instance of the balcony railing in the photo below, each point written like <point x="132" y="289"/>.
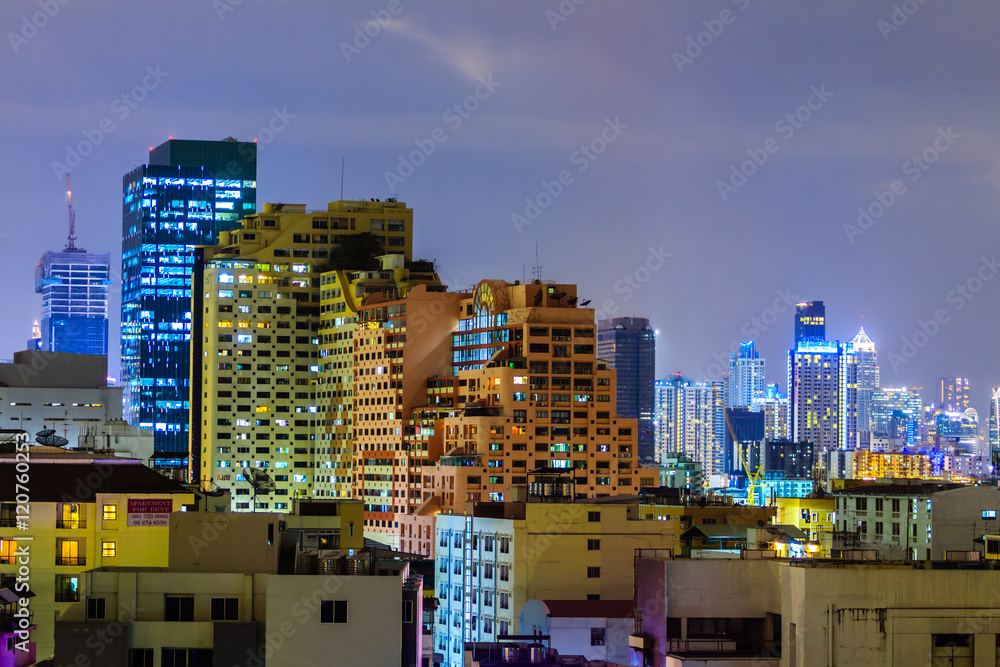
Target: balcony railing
<point x="68" y="596"/>
<point x="71" y="560"/>
<point x="71" y="524"/>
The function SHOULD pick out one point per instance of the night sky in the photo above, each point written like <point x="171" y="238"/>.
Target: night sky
<point x="699" y="163"/>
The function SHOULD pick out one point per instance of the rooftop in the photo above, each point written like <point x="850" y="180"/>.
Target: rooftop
<point x="79" y="480"/>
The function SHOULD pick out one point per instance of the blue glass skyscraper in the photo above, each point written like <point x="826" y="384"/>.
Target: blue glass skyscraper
<point x="74" y="288"/>
<point x="186" y="195"/>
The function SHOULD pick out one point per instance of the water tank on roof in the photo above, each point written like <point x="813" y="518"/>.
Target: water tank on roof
<point x="511" y="654"/>
<point x="536" y="654"/>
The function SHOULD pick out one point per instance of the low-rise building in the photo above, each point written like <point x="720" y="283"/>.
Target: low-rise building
<point x="594" y="629"/>
<point x="82" y="512"/>
<point x="490" y="561"/>
<point x="61" y="391"/>
<point x="806" y="613"/>
<point x="915" y="519"/>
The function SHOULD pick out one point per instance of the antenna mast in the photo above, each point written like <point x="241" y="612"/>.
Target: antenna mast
<point x="342" y="161"/>
<point x="72" y="216"/>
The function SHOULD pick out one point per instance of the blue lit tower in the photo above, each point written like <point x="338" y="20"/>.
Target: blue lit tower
<point x="629" y="345"/>
<point x="810" y="321"/>
<point x="74" y="288"/>
<point x="746" y="378"/>
<point x="186" y="195"/>
<point x="867" y="377"/>
<point x="994" y="428"/>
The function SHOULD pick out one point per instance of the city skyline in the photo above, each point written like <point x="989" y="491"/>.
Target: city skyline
<point x="501" y="153"/>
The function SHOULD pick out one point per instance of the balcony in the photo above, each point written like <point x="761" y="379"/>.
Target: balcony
<point x="68" y="596"/>
<point x="76" y="561"/>
<point x="71" y="524"/>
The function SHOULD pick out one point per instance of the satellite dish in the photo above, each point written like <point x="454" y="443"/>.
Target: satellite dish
<point x="584" y="304"/>
<point x="49" y="438"/>
<point x="259" y="481"/>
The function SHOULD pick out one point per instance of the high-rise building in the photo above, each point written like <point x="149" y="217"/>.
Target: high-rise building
<point x="810" y="321"/>
<point x="994" y="428"/>
<point x="691" y="420"/>
<point x="744" y="428"/>
<point x="776" y="414"/>
<point x="187" y="194"/>
<point x="815" y="399"/>
<point x="953" y="394"/>
<point x="889" y="400"/>
<point x="867" y="377"/>
<point x="526" y="391"/>
<point x="74" y="288"/>
<point x="629" y="345"/>
<point x="256" y="365"/>
<point x="343" y="294"/>
<point x="746" y="377"/>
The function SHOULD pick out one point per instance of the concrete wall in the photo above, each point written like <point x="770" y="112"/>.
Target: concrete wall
<point x="224" y="542"/>
<point x="371" y="636"/>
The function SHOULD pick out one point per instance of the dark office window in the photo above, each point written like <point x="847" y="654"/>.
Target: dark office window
<point x="178" y="608"/>
<point x="95" y="609"/>
<point x="225" y="609"/>
<point x="141" y="657"/>
<point x="333" y="611"/>
<point x="185" y="657"/>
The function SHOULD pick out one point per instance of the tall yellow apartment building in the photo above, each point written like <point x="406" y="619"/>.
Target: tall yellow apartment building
<point x="255" y="344"/>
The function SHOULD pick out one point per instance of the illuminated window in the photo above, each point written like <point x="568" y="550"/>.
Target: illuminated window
<point x="111" y="512"/>
<point x="109" y="549"/>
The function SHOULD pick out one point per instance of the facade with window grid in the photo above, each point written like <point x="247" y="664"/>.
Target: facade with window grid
<point x="489" y="563"/>
<point x="255" y="362"/>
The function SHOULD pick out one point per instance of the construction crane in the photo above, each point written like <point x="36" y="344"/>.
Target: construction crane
<point x="753" y="477"/>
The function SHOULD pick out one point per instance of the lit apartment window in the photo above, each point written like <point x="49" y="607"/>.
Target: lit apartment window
<point x="111" y="512"/>
<point x="109" y="549"/>
<point x="8" y="549"/>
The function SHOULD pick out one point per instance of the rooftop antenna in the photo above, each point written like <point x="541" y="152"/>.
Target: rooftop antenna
<point x="72" y="216"/>
<point x="342" y="162"/>
<point x="259" y="481"/>
<point x="537" y="269"/>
